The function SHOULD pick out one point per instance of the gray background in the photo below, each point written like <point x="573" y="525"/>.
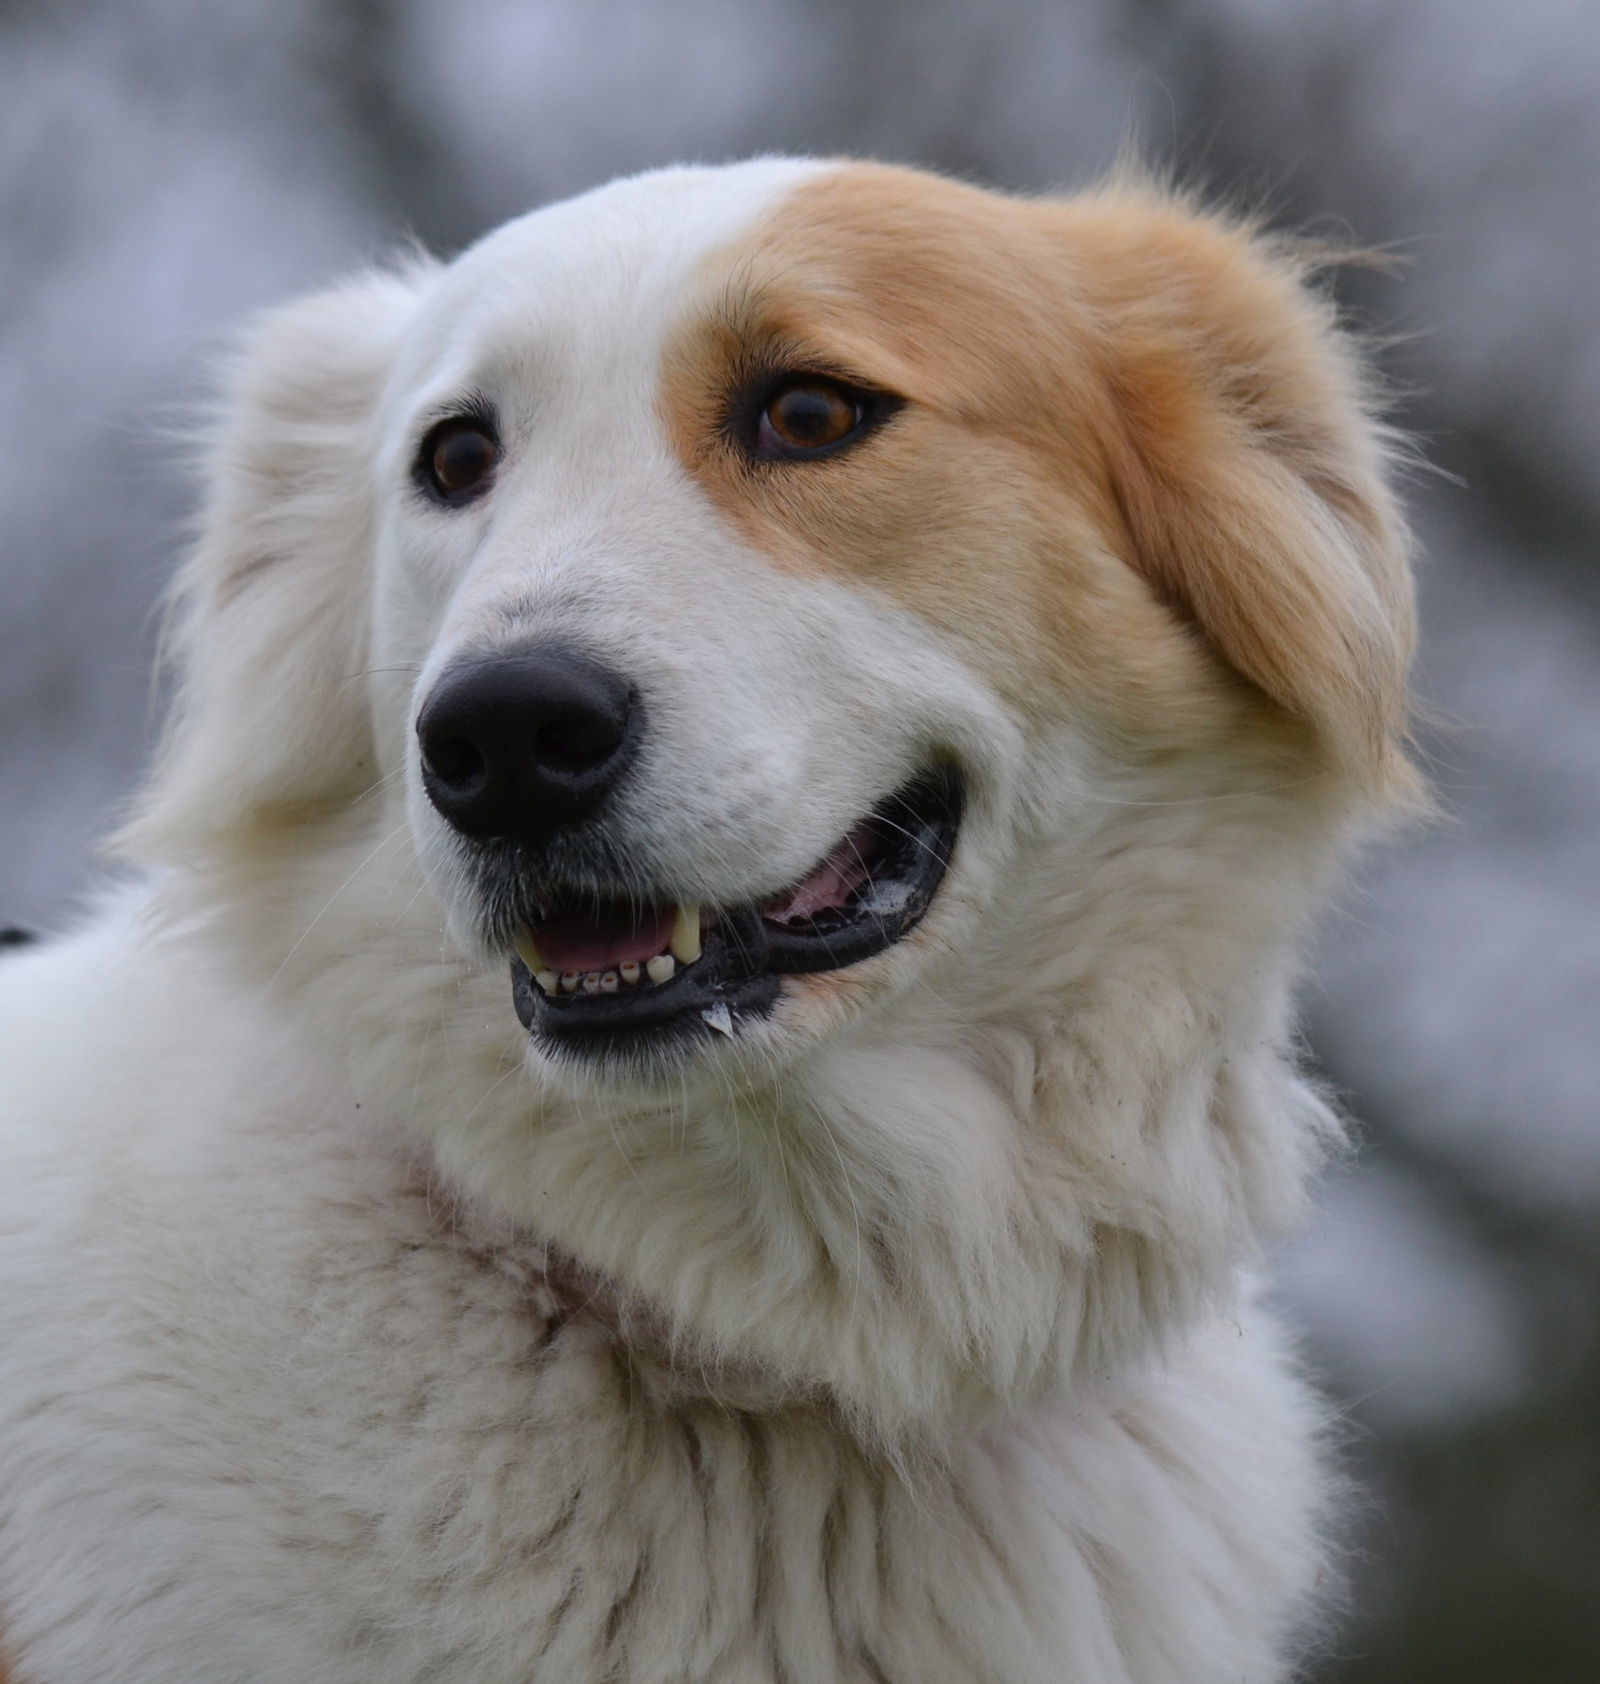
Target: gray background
<point x="167" y="165"/>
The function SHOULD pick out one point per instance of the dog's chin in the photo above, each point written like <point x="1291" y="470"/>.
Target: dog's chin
<point x="636" y="986"/>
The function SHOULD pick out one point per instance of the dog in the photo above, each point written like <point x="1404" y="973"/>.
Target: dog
<point x="695" y="1076"/>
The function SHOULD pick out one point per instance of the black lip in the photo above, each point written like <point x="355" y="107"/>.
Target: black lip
<point x="745" y="956"/>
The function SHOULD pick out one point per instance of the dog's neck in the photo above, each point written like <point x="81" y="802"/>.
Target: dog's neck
<point x="672" y="1364"/>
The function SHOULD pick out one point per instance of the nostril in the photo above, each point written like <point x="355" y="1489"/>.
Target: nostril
<point x="577" y="742"/>
<point x="455" y="761"/>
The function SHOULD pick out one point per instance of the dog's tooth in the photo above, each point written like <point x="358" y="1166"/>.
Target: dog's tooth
<point x="685" y="943"/>
<point x="628" y="970"/>
<point x="661" y="967"/>
<point x="608" y="983"/>
<point x="569" y="982"/>
<point x="548" y="981"/>
<point x="591" y="982"/>
<point x="527" y="952"/>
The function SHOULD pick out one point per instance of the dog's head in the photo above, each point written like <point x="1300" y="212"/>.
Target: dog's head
<point x="872" y="673"/>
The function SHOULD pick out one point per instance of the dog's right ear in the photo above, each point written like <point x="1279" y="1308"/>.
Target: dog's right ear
<point x="270" y="616"/>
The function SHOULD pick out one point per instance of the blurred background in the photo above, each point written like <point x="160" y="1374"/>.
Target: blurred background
<point x="168" y="165"/>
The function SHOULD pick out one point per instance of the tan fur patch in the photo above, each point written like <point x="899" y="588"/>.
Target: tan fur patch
<point x="1124" y="421"/>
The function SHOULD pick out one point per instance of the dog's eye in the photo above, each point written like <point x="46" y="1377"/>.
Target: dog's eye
<point x="807" y="417"/>
<point x="457" y="458"/>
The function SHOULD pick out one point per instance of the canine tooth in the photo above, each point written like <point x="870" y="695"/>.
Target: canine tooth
<point x="527" y="952"/>
<point x="685" y="943"/>
<point x="628" y="970"/>
<point x="718" y="1017"/>
<point x="548" y="981"/>
<point x="661" y="967"/>
<point x="569" y="982"/>
<point x="608" y="983"/>
<point x="591" y="982"/>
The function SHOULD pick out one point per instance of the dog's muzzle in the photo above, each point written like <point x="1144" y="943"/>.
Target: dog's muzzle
<point x="521" y="750"/>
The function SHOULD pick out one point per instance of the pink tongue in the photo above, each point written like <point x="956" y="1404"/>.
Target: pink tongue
<point x="576" y="942"/>
<point x="831" y="884"/>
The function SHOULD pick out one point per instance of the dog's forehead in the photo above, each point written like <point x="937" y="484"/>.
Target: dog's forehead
<point x="607" y="268"/>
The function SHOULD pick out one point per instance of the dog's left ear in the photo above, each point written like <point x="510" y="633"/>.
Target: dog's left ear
<point x="269" y="633"/>
<point x="1247" y="466"/>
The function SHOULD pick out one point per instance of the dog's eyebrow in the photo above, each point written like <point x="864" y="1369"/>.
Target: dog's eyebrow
<point x="766" y="353"/>
<point x="763" y="337"/>
<point x="783" y="361"/>
<point x="472" y="405"/>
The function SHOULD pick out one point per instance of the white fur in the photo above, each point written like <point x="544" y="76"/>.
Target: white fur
<point x="956" y="1372"/>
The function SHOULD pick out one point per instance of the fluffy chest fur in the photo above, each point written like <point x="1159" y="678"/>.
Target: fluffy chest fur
<point x="309" y="1418"/>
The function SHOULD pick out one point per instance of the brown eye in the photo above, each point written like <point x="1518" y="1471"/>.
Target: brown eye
<point x="457" y="458"/>
<point x="807" y="417"/>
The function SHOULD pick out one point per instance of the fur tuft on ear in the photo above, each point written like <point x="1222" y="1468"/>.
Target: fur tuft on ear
<point x="269" y="617"/>
<point x="1249" y="468"/>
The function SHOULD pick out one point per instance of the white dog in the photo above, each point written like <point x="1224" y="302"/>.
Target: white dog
<point x="703" y="1063"/>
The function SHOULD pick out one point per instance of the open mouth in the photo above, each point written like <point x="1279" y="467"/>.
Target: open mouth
<point x="594" y="975"/>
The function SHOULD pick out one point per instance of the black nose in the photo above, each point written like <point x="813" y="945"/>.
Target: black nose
<point x="521" y="745"/>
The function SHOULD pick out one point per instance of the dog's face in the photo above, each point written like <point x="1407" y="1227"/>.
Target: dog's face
<point x="843" y="645"/>
<point x="753" y="537"/>
<point x="701" y="783"/>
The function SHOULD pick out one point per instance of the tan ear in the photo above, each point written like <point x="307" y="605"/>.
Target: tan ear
<point x="270" y="613"/>
<point x="1249" y="470"/>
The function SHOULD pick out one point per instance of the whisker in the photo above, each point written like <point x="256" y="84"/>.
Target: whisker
<point x="316" y="918"/>
<point x="369" y="672"/>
